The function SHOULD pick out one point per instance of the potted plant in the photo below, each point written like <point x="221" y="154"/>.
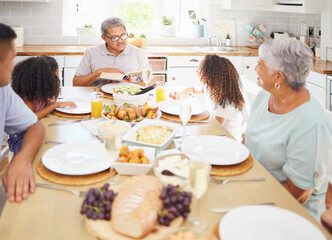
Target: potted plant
<point x="136" y="41"/>
<point x="86" y="30"/>
<point x="168" y="28"/>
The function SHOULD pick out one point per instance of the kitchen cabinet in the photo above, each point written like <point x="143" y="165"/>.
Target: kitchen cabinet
<point x="326" y="38"/>
<point x="308" y="6"/>
<point x="70" y="65"/>
<point x="317" y="85"/>
<point x="249" y="78"/>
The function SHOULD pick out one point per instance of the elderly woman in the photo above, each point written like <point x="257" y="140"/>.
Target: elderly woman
<point x="288" y="131"/>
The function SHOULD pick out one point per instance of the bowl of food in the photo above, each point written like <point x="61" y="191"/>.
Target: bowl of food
<point x="173" y="168"/>
<point x="134" y="160"/>
<point x="130" y="112"/>
<point x="126" y="94"/>
<point x="151" y="133"/>
<point x="188" y="233"/>
<point x="112" y="126"/>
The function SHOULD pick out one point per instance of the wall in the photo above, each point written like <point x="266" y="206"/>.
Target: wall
<point x="273" y="21"/>
<point x="42" y="23"/>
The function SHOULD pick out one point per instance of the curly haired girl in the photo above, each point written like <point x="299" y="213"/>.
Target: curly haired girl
<point x="225" y="99"/>
<point x="36" y="81"/>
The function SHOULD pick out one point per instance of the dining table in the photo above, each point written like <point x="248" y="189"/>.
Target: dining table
<point x="51" y="214"/>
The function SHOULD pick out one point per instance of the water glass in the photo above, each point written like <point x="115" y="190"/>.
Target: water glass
<point x="146" y="75"/>
<point x="185" y="111"/>
<point x="113" y="143"/>
<point x="96" y="104"/>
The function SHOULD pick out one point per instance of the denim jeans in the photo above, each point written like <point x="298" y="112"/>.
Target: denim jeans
<point x="15" y="142"/>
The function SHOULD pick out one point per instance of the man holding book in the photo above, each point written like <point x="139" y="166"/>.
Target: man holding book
<point x="113" y="56"/>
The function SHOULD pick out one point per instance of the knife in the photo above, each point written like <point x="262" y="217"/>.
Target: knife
<point x="69" y="122"/>
<point x="227" y="209"/>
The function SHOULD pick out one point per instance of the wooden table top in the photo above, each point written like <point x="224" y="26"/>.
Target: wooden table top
<point x="51" y="214"/>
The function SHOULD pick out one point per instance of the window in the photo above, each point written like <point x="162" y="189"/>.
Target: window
<point x="139" y="16"/>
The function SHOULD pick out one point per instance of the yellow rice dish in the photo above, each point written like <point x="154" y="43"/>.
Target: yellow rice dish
<point x="153" y="134"/>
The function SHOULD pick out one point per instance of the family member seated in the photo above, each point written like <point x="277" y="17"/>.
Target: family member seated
<point x="115" y="55"/>
<point x="288" y="130"/>
<point x="15" y="117"/>
<point x="222" y="84"/>
<point x="36" y="81"/>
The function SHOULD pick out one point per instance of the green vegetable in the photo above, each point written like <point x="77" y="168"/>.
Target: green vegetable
<point x="167" y="21"/>
<point x="132" y="34"/>
<point x="87" y="26"/>
<point x="128" y="90"/>
<point x="142" y="36"/>
<point x="108" y="109"/>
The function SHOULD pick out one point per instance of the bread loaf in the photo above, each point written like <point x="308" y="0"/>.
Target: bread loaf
<point x="134" y="210"/>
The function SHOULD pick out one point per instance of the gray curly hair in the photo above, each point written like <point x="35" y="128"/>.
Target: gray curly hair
<point x="111" y="22"/>
<point x="289" y="56"/>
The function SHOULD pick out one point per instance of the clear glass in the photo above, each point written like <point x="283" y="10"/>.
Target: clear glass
<point x="199" y="178"/>
<point x="112" y="144"/>
<point x="146" y="75"/>
<point x="185" y="112"/>
<point x="96" y="104"/>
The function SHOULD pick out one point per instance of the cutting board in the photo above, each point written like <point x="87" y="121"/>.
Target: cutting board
<point x="102" y="229"/>
<point x="227" y="26"/>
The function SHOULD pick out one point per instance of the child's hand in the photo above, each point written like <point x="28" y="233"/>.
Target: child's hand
<point x="174" y="95"/>
<point x="64" y="104"/>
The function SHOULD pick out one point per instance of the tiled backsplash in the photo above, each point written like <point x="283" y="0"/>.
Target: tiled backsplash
<point x="42" y="23"/>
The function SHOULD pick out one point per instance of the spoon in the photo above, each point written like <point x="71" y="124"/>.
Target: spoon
<point x="169" y="173"/>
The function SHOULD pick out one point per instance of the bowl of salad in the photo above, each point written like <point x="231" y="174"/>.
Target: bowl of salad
<point x="126" y="94"/>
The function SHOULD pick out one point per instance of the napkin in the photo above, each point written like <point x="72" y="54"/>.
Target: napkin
<point x="92" y="125"/>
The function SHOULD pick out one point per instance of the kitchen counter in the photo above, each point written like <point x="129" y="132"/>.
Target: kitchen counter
<point x="320" y="66"/>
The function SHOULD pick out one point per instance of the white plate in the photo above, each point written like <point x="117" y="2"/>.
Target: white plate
<point x="83" y="106"/>
<point x="108" y="88"/>
<point x="134" y="123"/>
<point x="216" y="150"/>
<point x="266" y="222"/>
<point x="130" y="136"/>
<point x="171" y="106"/>
<point x="76" y="158"/>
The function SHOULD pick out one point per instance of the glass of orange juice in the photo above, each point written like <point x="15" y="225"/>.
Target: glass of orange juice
<point x="96" y="104"/>
<point x="160" y="91"/>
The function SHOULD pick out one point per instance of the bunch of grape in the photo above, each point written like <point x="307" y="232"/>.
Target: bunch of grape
<point x="98" y="203"/>
<point x="176" y="202"/>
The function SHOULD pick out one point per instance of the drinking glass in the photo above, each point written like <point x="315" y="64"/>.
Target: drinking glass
<point x="146" y="75"/>
<point x="160" y="91"/>
<point x="113" y="144"/>
<point x="185" y="112"/>
<point x="96" y="104"/>
<point x="199" y="177"/>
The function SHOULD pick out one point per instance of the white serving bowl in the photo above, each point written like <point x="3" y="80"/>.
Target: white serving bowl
<point x="130" y="136"/>
<point x="112" y="126"/>
<point x="120" y="98"/>
<point x="136" y="168"/>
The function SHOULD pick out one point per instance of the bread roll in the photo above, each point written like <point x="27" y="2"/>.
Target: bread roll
<point x="134" y="210"/>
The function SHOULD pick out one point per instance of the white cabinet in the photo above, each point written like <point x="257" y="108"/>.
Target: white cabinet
<point x="316" y="84"/>
<point x="326" y="38"/>
<point x="247" y="5"/>
<point x="249" y="80"/>
<point x="70" y="65"/>
<point x="308" y="6"/>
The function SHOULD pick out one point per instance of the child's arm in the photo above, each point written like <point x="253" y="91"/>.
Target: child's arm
<point x="189" y="91"/>
<point x="49" y="108"/>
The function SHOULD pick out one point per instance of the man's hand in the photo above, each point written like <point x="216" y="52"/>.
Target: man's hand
<point x="19" y="180"/>
<point x="111" y="70"/>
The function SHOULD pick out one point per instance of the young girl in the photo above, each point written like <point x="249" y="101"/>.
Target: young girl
<point x="36" y="81"/>
<point x="225" y="99"/>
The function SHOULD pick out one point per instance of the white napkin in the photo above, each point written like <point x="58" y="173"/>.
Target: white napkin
<point x="92" y="125"/>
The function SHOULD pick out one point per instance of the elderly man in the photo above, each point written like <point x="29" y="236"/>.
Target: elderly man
<point x="15" y="117"/>
<point x="115" y="55"/>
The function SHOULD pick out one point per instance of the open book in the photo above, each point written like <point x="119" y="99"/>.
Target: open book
<point x="120" y="76"/>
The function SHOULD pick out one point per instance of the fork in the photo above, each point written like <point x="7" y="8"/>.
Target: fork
<point x="75" y="192"/>
<point x="224" y="181"/>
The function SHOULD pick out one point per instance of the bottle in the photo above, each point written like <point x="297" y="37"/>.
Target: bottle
<point x="228" y="41"/>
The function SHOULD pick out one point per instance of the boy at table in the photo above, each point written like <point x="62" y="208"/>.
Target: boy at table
<point x="15" y="117"/>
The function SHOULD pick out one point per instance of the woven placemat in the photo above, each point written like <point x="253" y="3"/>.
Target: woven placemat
<point x="66" y="115"/>
<point x="232" y="170"/>
<point x="80" y="180"/>
<point x="199" y="117"/>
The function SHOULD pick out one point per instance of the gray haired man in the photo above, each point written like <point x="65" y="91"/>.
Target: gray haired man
<point x="115" y="55"/>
